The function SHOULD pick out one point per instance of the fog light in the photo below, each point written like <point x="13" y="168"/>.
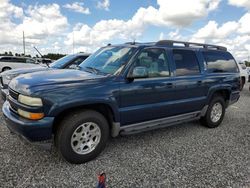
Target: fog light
<point x="30" y="115"/>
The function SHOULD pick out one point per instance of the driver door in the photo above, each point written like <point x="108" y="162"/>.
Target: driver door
<point x="148" y="98"/>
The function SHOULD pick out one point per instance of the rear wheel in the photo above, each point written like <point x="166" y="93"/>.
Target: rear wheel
<point x="82" y="136"/>
<point x="6" y="68"/>
<point x="215" y="112"/>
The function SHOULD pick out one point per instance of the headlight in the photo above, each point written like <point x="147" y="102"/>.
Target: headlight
<point x="30" y="101"/>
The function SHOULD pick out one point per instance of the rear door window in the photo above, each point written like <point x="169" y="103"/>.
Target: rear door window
<point x="219" y="62"/>
<point x="186" y="62"/>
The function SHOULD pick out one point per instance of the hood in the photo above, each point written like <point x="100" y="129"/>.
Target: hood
<point x="28" y="83"/>
<point x="23" y="71"/>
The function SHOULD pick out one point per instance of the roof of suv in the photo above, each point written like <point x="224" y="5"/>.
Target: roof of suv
<point x="179" y="44"/>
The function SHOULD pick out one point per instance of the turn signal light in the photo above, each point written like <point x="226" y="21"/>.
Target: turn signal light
<point x="30" y="115"/>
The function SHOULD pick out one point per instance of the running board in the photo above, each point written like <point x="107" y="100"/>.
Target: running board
<point x="159" y="123"/>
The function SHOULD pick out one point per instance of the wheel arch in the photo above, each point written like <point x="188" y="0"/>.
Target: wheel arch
<point x="103" y="108"/>
<point x="225" y="92"/>
<point x="5" y="68"/>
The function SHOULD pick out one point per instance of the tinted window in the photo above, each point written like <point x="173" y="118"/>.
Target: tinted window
<point x="30" y="60"/>
<point x="18" y="60"/>
<point x="77" y="61"/>
<point x="186" y="62"/>
<point x="5" y="59"/>
<point x="220" y="62"/>
<point x="155" y="61"/>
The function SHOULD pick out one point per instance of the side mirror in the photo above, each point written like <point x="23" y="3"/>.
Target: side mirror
<point x="73" y="66"/>
<point x="139" y="72"/>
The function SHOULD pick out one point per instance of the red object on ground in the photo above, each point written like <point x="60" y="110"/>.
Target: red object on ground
<point x="101" y="180"/>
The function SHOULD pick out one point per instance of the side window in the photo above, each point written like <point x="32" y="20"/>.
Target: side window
<point x="79" y="60"/>
<point x="5" y="59"/>
<point x="30" y="61"/>
<point x="219" y="62"/>
<point x="186" y="62"/>
<point x="18" y="60"/>
<point x="155" y="60"/>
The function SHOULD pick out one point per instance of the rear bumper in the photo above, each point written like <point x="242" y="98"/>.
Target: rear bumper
<point x="234" y="97"/>
<point x="31" y="130"/>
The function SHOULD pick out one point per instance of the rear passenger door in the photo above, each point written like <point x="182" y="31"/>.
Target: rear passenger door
<point x="190" y="88"/>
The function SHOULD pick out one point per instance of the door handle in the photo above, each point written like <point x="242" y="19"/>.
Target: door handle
<point x="199" y="82"/>
<point x="169" y="85"/>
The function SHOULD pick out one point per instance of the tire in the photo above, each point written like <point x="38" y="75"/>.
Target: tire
<point x="6" y="68"/>
<point x="217" y="101"/>
<point x="69" y="136"/>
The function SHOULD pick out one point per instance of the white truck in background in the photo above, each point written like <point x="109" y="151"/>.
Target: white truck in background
<point x="243" y="73"/>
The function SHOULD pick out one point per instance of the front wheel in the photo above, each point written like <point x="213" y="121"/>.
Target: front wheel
<point x="215" y="112"/>
<point x="82" y="136"/>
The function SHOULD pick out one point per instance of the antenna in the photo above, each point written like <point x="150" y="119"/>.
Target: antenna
<point x="38" y="51"/>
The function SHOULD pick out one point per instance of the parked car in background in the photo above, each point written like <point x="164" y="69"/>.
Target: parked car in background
<point x="243" y="74"/>
<point x="248" y="72"/>
<point x="123" y="89"/>
<point x="13" y="62"/>
<point x="67" y="62"/>
<point x="43" y="60"/>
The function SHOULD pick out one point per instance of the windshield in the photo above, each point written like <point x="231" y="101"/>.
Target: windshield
<point x="108" y="60"/>
<point x="62" y="61"/>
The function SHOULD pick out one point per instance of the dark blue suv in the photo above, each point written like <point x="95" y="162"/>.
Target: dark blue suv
<point x="123" y="89"/>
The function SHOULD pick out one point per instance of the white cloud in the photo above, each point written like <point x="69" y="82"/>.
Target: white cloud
<point x="240" y="3"/>
<point x="42" y="21"/>
<point x="78" y="7"/>
<point x="103" y="4"/>
<point x="235" y="35"/>
<point x="183" y="13"/>
<point x="212" y="31"/>
<point x="7" y="10"/>
<point x="169" y="14"/>
<point x="244" y="27"/>
<point x="161" y="36"/>
<point x="41" y="24"/>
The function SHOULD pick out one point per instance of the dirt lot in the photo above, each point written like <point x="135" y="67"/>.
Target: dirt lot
<point x="187" y="155"/>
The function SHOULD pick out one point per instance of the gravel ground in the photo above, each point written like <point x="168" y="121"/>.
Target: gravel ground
<point x="187" y="155"/>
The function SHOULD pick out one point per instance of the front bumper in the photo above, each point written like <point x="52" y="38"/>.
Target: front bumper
<point x="39" y="130"/>
<point x="4" y="93"/>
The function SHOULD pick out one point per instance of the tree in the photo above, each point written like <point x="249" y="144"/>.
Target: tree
<point x="53" y="56"/>
<point x="247" y="63"/>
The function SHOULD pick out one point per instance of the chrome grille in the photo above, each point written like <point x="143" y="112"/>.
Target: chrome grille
<point x="13" y="94"/>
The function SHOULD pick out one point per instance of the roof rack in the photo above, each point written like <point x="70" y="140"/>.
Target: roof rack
<point x="190" y="44"/>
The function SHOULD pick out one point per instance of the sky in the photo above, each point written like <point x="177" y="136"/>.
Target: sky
<point x="60" y="26"/>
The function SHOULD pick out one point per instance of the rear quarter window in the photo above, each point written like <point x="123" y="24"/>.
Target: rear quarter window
<point x="220" y="62"/>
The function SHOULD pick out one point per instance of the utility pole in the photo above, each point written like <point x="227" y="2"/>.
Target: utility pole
<point x="73" y="43"/>
<point x="23" y="44"/>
